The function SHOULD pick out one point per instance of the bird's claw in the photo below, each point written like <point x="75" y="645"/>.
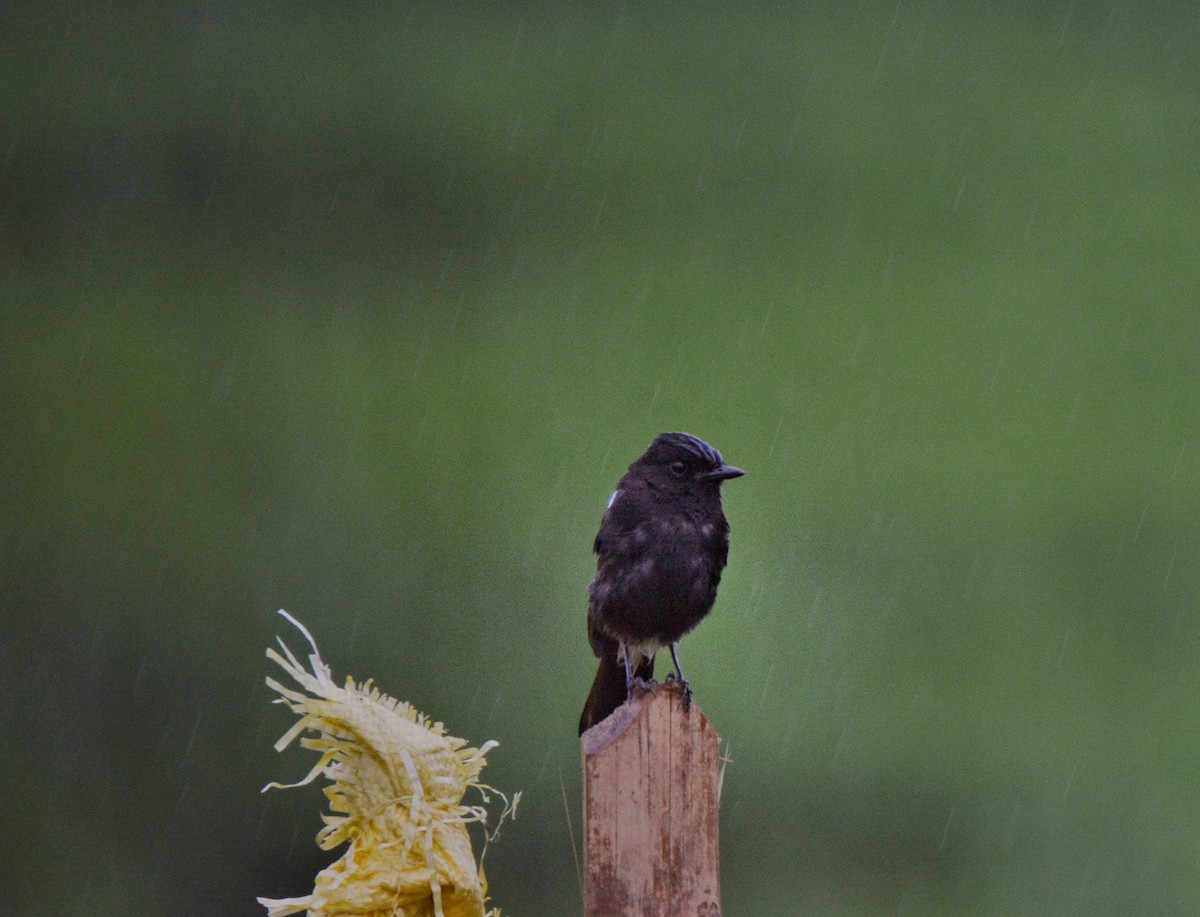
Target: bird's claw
<point x="643" y="685"/>
<point x="684" y="684"/>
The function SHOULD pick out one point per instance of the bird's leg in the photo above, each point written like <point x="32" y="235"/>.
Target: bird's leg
<point x="678" y="675"/>
<point x="633" y="680"/>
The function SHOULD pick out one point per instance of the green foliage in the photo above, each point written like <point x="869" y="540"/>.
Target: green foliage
<point x="361" y="312"/>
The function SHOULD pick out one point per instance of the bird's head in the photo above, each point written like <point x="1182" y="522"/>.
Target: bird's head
<point x="681" y="463"/>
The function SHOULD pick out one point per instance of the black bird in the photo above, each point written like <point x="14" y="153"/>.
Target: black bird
<point x="660" y="551"/>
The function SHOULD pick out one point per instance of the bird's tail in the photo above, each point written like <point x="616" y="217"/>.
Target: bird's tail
<point x="608" y="688"/>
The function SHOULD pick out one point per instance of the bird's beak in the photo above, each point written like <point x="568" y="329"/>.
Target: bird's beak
<point x="724" y="473"/>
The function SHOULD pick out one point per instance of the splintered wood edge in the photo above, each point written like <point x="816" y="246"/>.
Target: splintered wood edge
<point x="614" y="726"/>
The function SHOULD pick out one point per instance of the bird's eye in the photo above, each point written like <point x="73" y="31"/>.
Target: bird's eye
<point x="678" y="468"/>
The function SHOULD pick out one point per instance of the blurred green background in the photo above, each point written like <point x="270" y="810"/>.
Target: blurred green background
<point x="361" y="310"/>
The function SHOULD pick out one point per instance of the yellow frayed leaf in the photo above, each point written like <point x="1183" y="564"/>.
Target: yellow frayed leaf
<point x="396" y="791"/>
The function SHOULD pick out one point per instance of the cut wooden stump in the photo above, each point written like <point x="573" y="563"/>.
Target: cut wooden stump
<point x="651" y="787"/>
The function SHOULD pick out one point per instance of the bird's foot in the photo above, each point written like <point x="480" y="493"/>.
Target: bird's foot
<point x="644" y="685"/>
<point x="687" y="688"/>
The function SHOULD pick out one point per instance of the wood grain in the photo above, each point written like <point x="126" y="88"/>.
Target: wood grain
<point x="651" y="789"/>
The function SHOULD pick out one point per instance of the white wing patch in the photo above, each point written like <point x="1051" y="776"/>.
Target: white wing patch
<point x="612" y="500"/>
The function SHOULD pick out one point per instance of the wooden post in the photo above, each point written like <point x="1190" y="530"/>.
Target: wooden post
<point x="651" y="786"/>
